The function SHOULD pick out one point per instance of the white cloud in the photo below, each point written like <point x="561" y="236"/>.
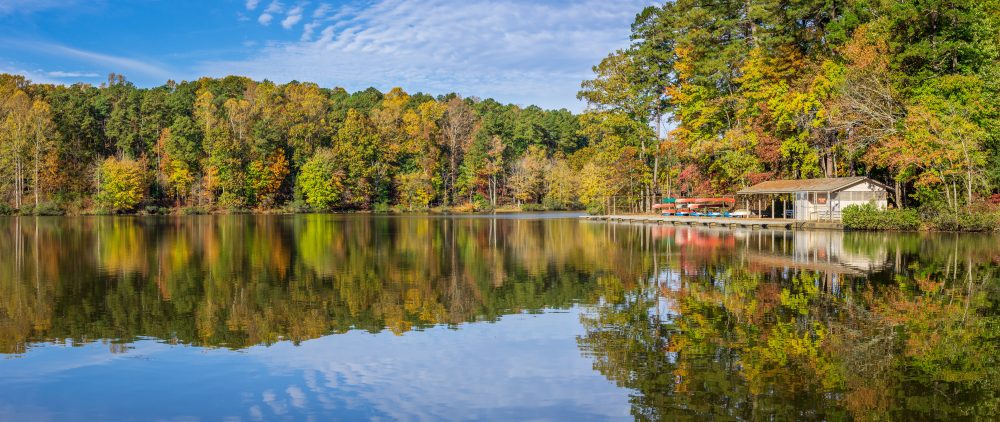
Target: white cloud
<point x="8" y="7"/>
<point x="525" y="364"/>
<point x="308" y="29"/>
<point x="513" y="50"/>
<point x="102" y="62"/>
<point x="321" y="11"/>
<point x="252" y="4"/>
<point x="36" y="76"/>
<point x="72" y="74"/>
<point x="275" y="7"/>
<point x="294" y="16"/>
<point x="115" y="63"/>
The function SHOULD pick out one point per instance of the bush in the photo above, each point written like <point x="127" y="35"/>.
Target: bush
<point x="155" y="210"/>
<point x="45" y="208"/>
<point x="595" y="209"/>
<point x="869" y="217"/>
<point x="966" y="221"/>
<point x="382" y="208"/>
<point x="6" y="209"/>
<point x="297" y="206"/>
<point x="48" y="208"/>
<point x="482" y="204"/>
<point x="554" y="204"/>
<point x="193" y="210"/>
<point x="464" y="207"/>
<point x="532" y="207"/>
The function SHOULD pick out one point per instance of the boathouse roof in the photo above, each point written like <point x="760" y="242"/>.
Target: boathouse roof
<point x="829" y="184"/>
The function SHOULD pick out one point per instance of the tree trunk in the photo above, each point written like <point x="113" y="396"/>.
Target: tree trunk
<point x="38" y="146"/>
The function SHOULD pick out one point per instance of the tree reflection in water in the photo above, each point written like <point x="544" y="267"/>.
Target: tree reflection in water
<point x="698" y="323"/>
<point x="236" y="281"/>
<point x="807" y="325"/>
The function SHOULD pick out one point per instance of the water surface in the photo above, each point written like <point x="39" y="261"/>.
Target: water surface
<point x="490" y="317"/>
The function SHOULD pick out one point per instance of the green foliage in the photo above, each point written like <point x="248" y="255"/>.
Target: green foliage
<point x="45" y="208"/>
<point x="6" y="209"/>
<point x="235" y="144"/>
<point x="759" y="90"/>
<point x="321" y="180"/>
<point x="966" y="221"/>
<point x="869" y="217"/>
<point x="194" y="210"/>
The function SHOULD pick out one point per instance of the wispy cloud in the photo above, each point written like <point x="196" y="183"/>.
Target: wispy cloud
<point x="517" y="50"/>
<point x="72" y="74"/>
<point x="252" y="4"/>
<point x="114" y="62"/>
<point x="272" y="9"/>
<point x="106" y="62"/>
<point x="8" y="7"/>
<point x="308" y="29"/>
<point x="321" y="11"/>
<point x="36" y="76"/>
<point x="294" y="16"/>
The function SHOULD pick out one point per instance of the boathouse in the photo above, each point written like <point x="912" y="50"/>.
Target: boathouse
<point x="811" y="199"/>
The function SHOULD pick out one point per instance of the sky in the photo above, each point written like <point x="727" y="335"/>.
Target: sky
<point x="518" y="51"/>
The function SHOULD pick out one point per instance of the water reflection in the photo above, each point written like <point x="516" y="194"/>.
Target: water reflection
<point x="673" y="322"/>
<point x="244" y="280"/>
<point x="805" y="325"/>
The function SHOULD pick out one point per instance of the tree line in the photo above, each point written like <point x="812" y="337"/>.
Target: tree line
<point x="238" y="144"/>
<point x="903" y="91"/>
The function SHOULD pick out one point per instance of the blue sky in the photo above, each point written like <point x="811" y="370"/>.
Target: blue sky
<point x="520" y="51"/>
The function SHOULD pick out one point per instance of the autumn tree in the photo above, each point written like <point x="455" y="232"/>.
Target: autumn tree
<point x="121" y="184"/>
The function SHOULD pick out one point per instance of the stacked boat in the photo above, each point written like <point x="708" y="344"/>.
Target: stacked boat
<point x="696" y="207"/>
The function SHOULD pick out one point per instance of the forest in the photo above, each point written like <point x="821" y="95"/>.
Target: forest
<point x="709" y="97"/>
<point x="235" y="144"/>
<point x="903" y="91"/>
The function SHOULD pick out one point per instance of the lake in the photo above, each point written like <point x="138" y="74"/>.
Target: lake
<point x="506" y="317"/>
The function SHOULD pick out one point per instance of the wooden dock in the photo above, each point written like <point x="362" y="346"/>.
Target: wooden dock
<point x="761" y="223"/>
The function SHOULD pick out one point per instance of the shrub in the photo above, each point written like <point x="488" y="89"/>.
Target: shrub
<point x="532" y="207"/>
<point x="482" y="204"/>
<point x="554" y="204"/>
<point x="464" y="207"/>
<point x="6" y="209"/>
<point x="45" y="208"/>
<point x="966" y="221"/>
<point x="155" y="210"/>
<point x="297" y="206"/>
<point x="193" y="210"/>
<point x="595" y="209"/>
<point x="382" y="208"/>
<point x="48" y="208"/>
<point x="869" y="217"/>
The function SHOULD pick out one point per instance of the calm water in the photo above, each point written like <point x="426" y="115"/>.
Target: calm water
<point x="539" y="317"/>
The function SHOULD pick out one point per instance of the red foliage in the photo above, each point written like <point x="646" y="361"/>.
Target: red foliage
<point x="756" y="178"/>
<point x="692" y="182"/>
<point x="768" y="148"/>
